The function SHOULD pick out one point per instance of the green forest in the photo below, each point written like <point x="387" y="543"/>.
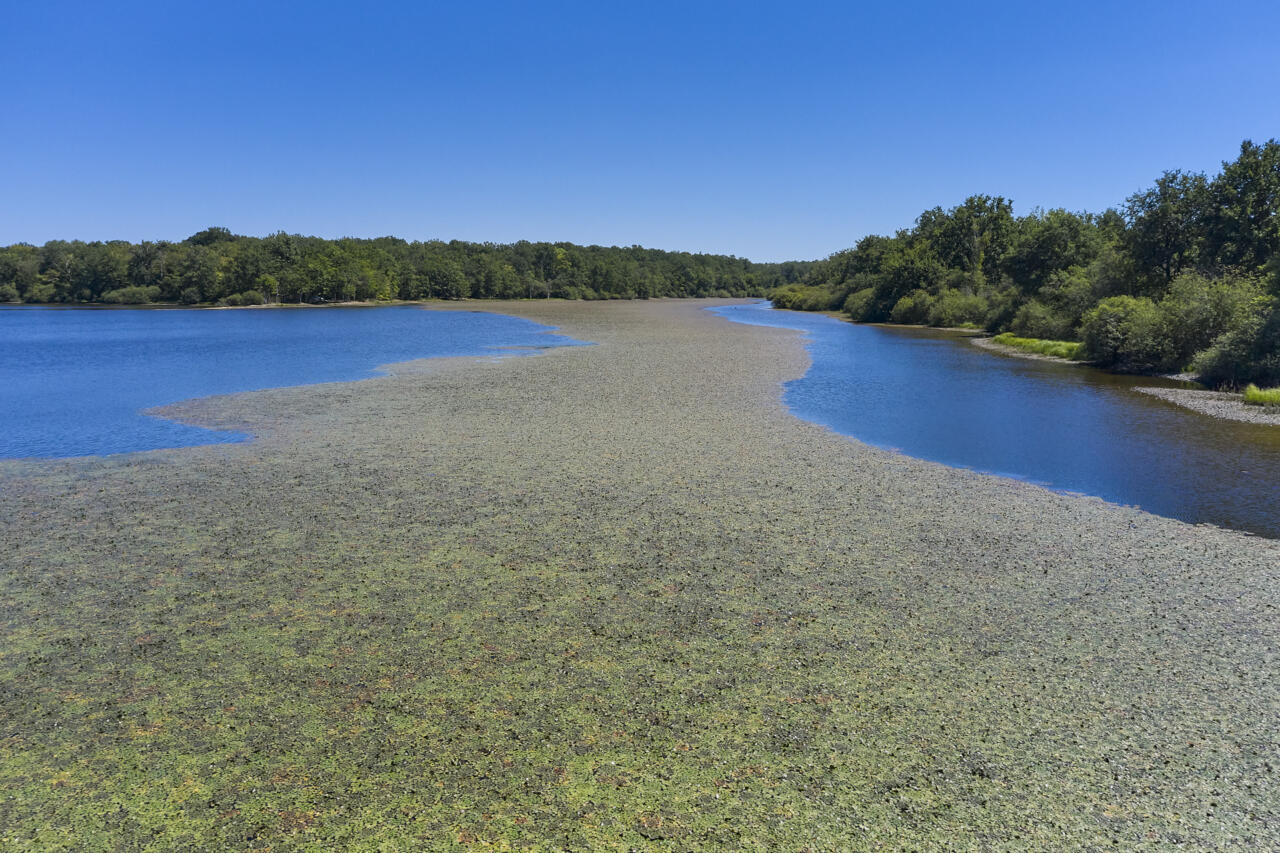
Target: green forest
<point x="1185" y="276"/>
<point x="218" y="267"/>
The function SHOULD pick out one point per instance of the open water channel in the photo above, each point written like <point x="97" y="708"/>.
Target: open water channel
<point x="934" y="395"/>
<point x="74" y="381"/>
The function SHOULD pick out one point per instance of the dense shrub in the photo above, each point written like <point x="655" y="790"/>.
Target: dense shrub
<point x="818" y="297"/>
<point x="1037" y="320"/>
<point x="1198" y="310"/>
<point x="1069" y="294"/>
<point x="131" y="295"/>
<point x="913" y="308"/>
<point x="955" y="308"/>
<point x="1126" y="333"/>
<point x="1248" y="353"/>
<point x="858" y="304"/>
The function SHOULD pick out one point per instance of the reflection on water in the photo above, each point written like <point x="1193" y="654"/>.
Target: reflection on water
<point x="933" y="395"/>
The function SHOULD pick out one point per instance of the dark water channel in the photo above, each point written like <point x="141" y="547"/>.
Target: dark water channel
<point x="933" y="395"/>
<point x="74" y="381"/>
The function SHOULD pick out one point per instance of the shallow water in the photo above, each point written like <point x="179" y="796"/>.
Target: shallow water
<point x="933" y="395"/>
<point x="74" y="381"/>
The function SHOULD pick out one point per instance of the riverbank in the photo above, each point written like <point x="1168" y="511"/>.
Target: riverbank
<point x="1217" y="404"/>
<point x="614" y="597"/>
<point x="991" y="345"/>
<point x="1225" y="405"/>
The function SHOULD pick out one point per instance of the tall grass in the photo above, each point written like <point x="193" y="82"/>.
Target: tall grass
<point x="1057" y="349"/>
<point x="1255" y="396"/>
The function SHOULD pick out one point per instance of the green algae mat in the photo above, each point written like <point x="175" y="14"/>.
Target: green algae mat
<point x="614" y="598"/>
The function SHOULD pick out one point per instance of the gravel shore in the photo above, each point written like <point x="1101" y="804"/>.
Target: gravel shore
<point x="1217" y="404"/>
<point x="614" y="597"/>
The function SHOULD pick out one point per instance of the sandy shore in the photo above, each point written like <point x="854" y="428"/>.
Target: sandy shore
<point x="614" y="597"/>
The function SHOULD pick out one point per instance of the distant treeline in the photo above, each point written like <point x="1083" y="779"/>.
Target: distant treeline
<point x="218" y="267"/>
<point x="1186" y="275"/>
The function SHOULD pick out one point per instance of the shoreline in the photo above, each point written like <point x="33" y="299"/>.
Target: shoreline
<point x="1223" y="405"/>
<point x="615" y="597"/>
<point x="990" y="345"/>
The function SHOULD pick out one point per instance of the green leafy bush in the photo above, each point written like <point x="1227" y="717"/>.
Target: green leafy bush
<point x="912" y="309"/>
<point x="956" y="308"/>
<point x="1037" y="320"/>
<point x="1198" y="310"/>
<point x="858" y="303"/>
<point x="1127" y="333"/>
<point x="1248" y="353"/>
<point x="131" y="295"/>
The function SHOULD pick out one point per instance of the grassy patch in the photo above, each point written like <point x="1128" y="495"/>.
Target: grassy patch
<point x="1255" y="396"/>
<point x="1057" y="349"/>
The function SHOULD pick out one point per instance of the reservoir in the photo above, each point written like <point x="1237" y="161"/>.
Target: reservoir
<point x="74" y="381"/>
<point x="933" y="395"/>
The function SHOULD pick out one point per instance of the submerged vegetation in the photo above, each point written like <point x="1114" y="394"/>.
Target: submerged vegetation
<point x="1186" y="275"/>
<point x="1057" y="349"/>
<point x="218" y="267"/>
<point x="1256" y="396"/>
<point x="613" y="598"/>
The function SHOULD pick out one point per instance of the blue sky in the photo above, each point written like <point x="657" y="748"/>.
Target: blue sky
<point x="770" y="131"/>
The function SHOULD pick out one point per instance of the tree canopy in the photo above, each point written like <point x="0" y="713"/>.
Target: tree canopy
<point x="1185" y="275"/>
<point x="215" y="266"/>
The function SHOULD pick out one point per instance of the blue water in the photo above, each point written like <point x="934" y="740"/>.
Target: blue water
<point x="73" y="382"/>
<point x="935" y="396"/>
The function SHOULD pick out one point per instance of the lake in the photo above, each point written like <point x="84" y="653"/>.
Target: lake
<point x="933" y="395"/>
<point x="73" y="381"/>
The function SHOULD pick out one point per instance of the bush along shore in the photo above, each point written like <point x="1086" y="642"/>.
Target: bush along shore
<point x="1185" y="276"/>
<point x="1253" y="405"/>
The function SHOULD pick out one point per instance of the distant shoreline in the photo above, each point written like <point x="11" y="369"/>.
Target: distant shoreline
<point x="171" y="306"/>
<point x="355" y="303"/>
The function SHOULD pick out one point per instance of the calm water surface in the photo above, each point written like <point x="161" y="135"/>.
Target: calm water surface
<point x="932" y="395"/>
<point x="73" y="381"/>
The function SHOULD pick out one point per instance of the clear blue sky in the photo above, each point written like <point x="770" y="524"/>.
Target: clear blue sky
<point x="769" y="131"/>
